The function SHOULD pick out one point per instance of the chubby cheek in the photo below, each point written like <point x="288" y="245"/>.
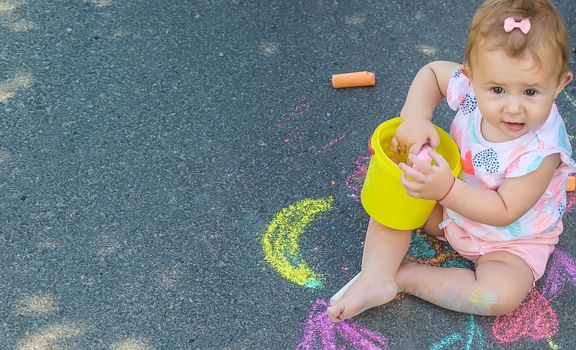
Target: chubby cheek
<point x="544" y="106"/>
<point x="489" y="111"/>
<point x="539" y="115"/>
<point x="487" y="104"/>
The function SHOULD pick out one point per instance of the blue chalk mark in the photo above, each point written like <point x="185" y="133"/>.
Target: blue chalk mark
<point x="313" y="283"/>
<point x="449" y="340"/>
<point x="474" y="332"/>
<point x="458" y="262"/>
<point x="480" y="338"/>
<point x="419" y="248"/>
<point x="471" y="331"/>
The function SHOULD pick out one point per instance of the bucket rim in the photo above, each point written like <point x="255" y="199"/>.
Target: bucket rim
<point x="386" y="161"/>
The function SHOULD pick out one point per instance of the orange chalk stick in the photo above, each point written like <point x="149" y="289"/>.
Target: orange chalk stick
<point x="571" y="183"/>
<point x="354" y="79"/>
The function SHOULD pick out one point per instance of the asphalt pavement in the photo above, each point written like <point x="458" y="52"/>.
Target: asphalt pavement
<point x="182" y="175"/>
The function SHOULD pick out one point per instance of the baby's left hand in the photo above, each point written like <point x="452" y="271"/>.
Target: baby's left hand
<point x="429" y="181"/>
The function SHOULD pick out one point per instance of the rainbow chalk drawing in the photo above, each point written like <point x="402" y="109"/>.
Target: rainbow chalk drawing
<point x="534" y="319"/>
<point x="562" y="269"/>
<point x="428" y="250"/>
<point x="473" y="338"/>
<point x="280" y="241"/>
<point x="320" y="333"/>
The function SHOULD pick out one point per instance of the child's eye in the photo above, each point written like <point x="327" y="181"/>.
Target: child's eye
<point x="530" y="92"/>
<point x="497" y="90"/>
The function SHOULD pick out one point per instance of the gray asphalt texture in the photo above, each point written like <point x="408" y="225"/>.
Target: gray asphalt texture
<point x="145" y="146"/>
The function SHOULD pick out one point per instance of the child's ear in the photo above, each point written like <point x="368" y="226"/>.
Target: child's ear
<point x="564" y="80"/>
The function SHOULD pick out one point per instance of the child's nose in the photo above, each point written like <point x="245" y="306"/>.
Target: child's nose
<point x="513" y="105"/>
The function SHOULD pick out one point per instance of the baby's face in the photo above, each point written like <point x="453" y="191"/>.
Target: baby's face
<point x="514" y="95"/>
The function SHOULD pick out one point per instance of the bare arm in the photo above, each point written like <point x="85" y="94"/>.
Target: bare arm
<point x="426" y="91"/>
<point x="507" y="204"/>
<point x="428" y="87"/>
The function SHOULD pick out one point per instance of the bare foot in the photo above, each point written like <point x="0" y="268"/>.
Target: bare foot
<point x="365" y="293"/>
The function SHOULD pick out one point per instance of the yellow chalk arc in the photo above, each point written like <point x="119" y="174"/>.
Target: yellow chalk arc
<point x="280" y="241"/>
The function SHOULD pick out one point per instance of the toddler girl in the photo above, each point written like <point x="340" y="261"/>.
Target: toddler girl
<point x="505" y="213"/>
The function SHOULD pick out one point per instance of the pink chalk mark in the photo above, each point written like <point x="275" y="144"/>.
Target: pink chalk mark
<point x="331" y="143"/>
<point x="570" y="201"/>
<point x="287" y="118"/>
<point x="562" y="269"/>
<point x="534" y="319"/>
<point x="320" y="333"/>
<point x="355" y="181"/>
<point x="361" y="338"/>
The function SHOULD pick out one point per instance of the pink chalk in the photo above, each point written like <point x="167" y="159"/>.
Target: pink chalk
<point x="320" y="333"/>
<point x="424" y="155"/>
<point x="534" y="318"/>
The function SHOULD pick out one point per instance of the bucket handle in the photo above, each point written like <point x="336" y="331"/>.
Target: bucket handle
<point x="370" y="148"/>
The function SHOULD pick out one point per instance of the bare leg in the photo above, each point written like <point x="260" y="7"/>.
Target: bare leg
<point x="500" y="283"/>
<point x="384" y="249"/>
<point x="435" y="218"/>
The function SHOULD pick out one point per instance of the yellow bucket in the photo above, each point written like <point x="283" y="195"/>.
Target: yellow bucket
<point x="383" y="196"/>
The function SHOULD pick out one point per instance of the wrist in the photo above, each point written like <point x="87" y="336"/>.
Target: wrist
<point x="405" y="115"/>
<point x="448" y="191"/>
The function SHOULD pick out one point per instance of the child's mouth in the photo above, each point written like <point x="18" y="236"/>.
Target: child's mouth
<point x="514" y="126"/>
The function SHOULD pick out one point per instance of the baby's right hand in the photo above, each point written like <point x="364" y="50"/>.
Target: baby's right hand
<point x="412" y="134"/>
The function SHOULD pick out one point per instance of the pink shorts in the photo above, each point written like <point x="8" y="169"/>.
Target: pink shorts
<point x="534" y="254"/>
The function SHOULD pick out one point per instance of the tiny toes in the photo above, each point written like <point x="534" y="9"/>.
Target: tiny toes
<point x="334" y="313"/>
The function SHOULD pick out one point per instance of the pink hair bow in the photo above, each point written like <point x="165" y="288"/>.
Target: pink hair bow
<point x="510" y="23"/>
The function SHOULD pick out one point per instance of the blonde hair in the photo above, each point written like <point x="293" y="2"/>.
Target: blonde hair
<point x="547" y="32"/>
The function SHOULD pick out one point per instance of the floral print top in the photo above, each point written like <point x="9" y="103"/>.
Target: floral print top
<point x="486" y="164"/>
